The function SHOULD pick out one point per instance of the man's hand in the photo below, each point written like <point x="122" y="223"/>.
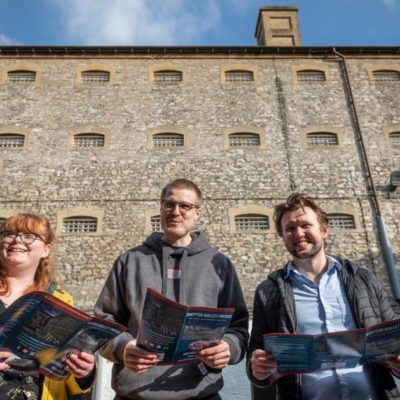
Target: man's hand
<point x="393" y="363"/>
<point x="80" y="364"/>
<point x="216" y="356"/>
<point x="262" y="364"/>
<point x="137" y="359"/>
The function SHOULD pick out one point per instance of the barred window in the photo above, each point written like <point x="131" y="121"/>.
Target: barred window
<point x="386" y="76"/>
<point x="239" y="76"/>
<point x="79" y="225"/>
<point x="168" y="76"/>
<point x="322" y="139"/>
<point x="311" y="75"/>
<point x="341" y="221"/>
<point x="21" y="76"/>
<point x="11" y="140"/>
<point x="256" y="222"/>
<point x="94" y="77"/>
<point x="155" y="223"/>
<point x="244" y="139"/>
<point x="168" y="140"/>
<point x="394" y="138"/>
<point x="89" y="140"/>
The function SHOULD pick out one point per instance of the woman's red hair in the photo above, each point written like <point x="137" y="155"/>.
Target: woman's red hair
<point x="40" y="225"/>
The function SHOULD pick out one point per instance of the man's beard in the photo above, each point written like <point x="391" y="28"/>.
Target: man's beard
<point x="307" y="255"/>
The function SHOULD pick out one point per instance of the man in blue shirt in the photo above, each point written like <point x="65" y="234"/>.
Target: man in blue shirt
<point x="315" y="293"/>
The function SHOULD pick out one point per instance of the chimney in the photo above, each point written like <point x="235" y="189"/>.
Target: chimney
<point x="278" y="26"/>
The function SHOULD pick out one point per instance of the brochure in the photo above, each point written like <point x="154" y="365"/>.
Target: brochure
<point x="298" y="353"/>
<point x="178" y="332"/>
<point x="41" y="331"/>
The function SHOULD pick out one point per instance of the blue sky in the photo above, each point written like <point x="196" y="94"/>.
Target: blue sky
<point x="192" y="22"/>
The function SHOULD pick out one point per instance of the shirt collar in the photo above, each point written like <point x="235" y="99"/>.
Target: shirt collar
<point x="332" y="263"/>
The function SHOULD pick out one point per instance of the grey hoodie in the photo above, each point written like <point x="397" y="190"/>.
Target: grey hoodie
<point x="208" y="279"/>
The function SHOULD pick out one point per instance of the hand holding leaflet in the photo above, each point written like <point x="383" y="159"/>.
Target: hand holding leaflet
<point x="41" y="331"/>
<point x="177" y="332"/>
<point x="346" y="349"/>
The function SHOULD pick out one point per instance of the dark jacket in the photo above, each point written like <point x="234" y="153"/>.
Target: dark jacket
<point x="208" y="279"/>
<point x="274" y="311"/>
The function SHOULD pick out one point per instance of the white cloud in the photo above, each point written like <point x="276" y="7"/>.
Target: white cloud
<point x="137" y="22"/>
<point x="4" y="40"/>
<point x="390" y="3"/>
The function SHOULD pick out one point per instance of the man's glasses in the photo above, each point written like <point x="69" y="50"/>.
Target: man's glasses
<point x="184" y="206"/>
<point x="26" y="237"/>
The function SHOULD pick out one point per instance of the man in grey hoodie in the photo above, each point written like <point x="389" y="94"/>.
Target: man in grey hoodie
<point x="183" y="266"/>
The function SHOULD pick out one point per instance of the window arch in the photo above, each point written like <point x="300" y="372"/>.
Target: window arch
<point x="250" y="218"/>
<point x="79" y="224"/>
<point x="386" y="75"/>
<point x="317" y="137"/>
<point x="310" y="73"/>
<point x="239" y="75"/>
<point x="155" y="223"/>
<point x="322" y="139"/>
<point x="12" y="140"/>
<point x="341" y="221"/>
<point x="152" y="221"/>
<point x="167" y="137"/>
<point x="244" y="139"/>
<point x="243" y="136"/>
<point x="234" y="73"/>
<point x="94" y="75"/>
<point x="21" y="76"/>
<point x="89" y="137"/>
<point x="168" y="75"/>
<point x="89" y="140"/>
<point x="80" y="221"/>
<point x="252" y="222"/>
<point x="394" y="138"/>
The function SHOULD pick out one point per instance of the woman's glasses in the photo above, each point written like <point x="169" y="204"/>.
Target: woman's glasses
<point x="25" y="237"/>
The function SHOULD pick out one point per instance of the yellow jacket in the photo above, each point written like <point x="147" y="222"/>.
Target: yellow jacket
<point x="58" y="390"/>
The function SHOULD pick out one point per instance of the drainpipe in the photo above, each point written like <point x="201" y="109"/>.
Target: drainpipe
<point x="382" y="233"/>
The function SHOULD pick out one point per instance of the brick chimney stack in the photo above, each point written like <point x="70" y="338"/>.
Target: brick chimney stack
<point x="278" y="26"/>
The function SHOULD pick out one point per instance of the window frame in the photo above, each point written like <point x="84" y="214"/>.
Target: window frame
<point x="321" y="129"/>
<point x="371" y="70"/>
<point x="168" y="129"/>
<point x="227" y="132"/>
<point x="227" y="67"/>
<point x="251" y="209"/>
<point x="26" y="67"/>
<point x="79" y="213"/>
<point x="311" y="67"/>
<point x="172" y="136"/>
<point x="10" y="130"/>
<point x="95" y="67"/>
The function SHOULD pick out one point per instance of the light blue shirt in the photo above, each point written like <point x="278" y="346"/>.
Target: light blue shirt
<point x="324" y="308"/>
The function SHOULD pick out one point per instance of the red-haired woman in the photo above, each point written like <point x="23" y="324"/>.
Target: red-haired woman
<point x="25" y="246"/>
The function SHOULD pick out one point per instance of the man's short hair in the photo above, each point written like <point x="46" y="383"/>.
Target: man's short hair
<point x="181" y="184"/>
<point x="294" y="202"/>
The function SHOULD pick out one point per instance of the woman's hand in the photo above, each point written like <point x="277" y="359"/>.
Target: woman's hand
<point x="3" y="356"/>
<point x="80" y="364"/>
